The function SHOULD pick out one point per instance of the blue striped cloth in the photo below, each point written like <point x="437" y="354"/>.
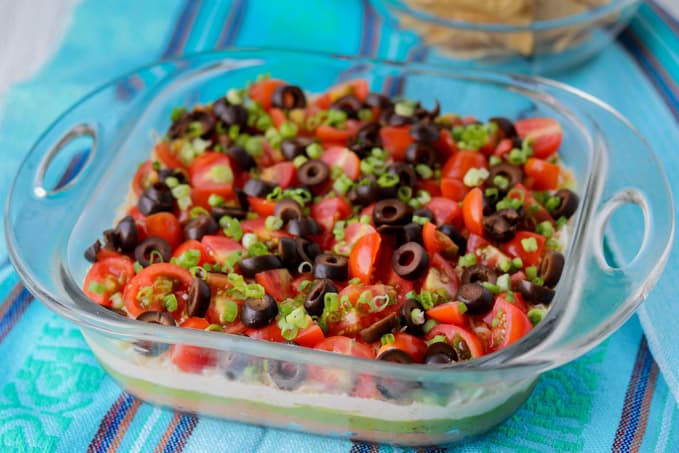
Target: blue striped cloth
<point x="55" y="397"/>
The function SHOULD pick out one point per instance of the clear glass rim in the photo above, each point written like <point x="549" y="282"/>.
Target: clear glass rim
<point x="508" y="359"/>
<point x="576" y="19"/>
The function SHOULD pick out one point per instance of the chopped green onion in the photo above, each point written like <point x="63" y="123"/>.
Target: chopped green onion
<point x="258" y="249"/>
<point x="504" y="282"/>
<point x="197" y="212"/>
<point x="491" y="192"/>
<point x="552" y="203"/>
<point x="494" y="160"/>
<point x="137" y="267"/>
<point x="529" y="244"/>
<point x="231" y="227"/>
<point x="388" y="180"/>
<point x="194" y="129"/>
<point x="517" y="263"/>
<point x="304" y="285"/>
<point x="288" y="129"/>
<point x="96" y="288"/>
<point x="404" y="108"/>
<point x="509" y="296"/>
<point x="545" y="229"/>
<point x="249" y="239"/>
<point x="404" y="193"/>
<point x="501" y="182"/>
<point x="420" y="220"/>
<point x="188" y="259"/>
<point x="437" y="339"/>
<point x="462" y="308"/>
<point x="230" y="311"/>
<point x="492" y="287"/>
<point x="365" y="219"/>
<point x="254" y="290"/>
<point x="305" y="267"/>
<point x="235" y="96"/>
<point x="181" y="191"/>
<point x="338" y="230"/>
<point x="535" y="315"/>
<point x="342" y="184"/>
<point x="155" y="257"/>
<point x="475" y="177"/>
<point x="365" y="115"/>
<point x="177" y="113"/>
<point x="171" y="182"/>
<point x="232" y="260"/>
<point x="532" y="272"/>
<point x="467" y="260"/>
<point x="215" y="200"/>
<point x="430" y="324"/>
<point x="299" y="161"/>
<point x="336" y="118"/>
<point x="387" y="338"/>
<point x="214" y="328"/>
<point x="273" y="223"/>
<point x="254" y="146"/>
<point x="553" y="244"/>
<point x="504" y="264"/>
<point x="170" y="302"/>
<point x="355" y="281"/>
<point x="424" y="171"/>
<point x="314" y="150"/>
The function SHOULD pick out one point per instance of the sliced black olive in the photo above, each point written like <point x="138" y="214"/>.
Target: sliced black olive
<point x="425" y="132"/>
<point x="156" y="198"/>
<point x="440" y="353"/>
<point x="241" y="157"/>
<point x="391" y="212"/>
<point x="551" y="267"/>
<point x="498" y="228"/>
<point x="369" y="134"/>
<point x="258" y="188"/>
<point x="420" y="153"/>
<point x="252" y="265"/>
<point x="293" y="147"/>
<point x="242" y="198"/>
<point x="176" y="173"/>
<point x="478" y="273"/>
<point x="287" y="251"/>
<point x="376" y="330"/>
<point x="406" y="175"/>
<point x="154" y="249"/>
<point x="410" y="261"/>
<point x="288" y="209"/>
<point x="568" y="204"/>
<point x="230" y="114"/>
<point x="218" y="212"/>
<point x="412" y="232"/>
<point x="425" y="213"/>
<point x="393" y="119"/>
<point x="157" y="317"/>
<point x="126" y="230"/>
<point x="313" y="172"/>
<point x="366" y="190"/>
<point x="455" y="236"/>
<point x="307" y="250"/>
<point x="286" y="375"/>
<point x="199" y="227"/>
<point x="314" y="302"/>
<point x="288" y="97"/>
<point x="233" y="364"/>
<point x="258" y="312"/>
<point x="334" y="267"/>
<point x="535" y="294"/>
<point x="378" y="100"/>
<point x="413" y="317"/>
<point x="423" y="114"/>
<point x="305" y="226"/>
<point x="199" y="298"/>
<point x="92" y="250"/>
<point x="204" y="120"/>
<point x="152" y="348"/>
<point x="479" y="300"/>
<point x="512" y="173"/>
<point x="111" y="240"/>
<point x="490" y="201"/>
<point x="505" y="126"/>
<point x="348" y="104"/>
<point x="395" y="355"/>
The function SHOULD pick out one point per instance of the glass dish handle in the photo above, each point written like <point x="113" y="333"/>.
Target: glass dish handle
<point x="597" y="296"/>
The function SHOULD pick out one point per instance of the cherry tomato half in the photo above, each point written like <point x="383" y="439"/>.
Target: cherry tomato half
<point x="363" y="257"/>
<point x="107" y="277"/>
<point x="472" y="211"/>
<point x="151" y="288"/>
<point x="545" y="133"/>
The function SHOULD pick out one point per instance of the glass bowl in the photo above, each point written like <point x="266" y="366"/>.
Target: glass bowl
<point x="49" y="226"/>
<point x="532" y="36"/>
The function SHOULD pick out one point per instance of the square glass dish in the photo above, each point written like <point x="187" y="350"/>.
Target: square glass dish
<point x="48" y="227"/>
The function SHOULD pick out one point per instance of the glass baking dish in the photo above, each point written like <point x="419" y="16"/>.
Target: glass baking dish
<point x="49" y="228"/>
<point x="530" y="36"/>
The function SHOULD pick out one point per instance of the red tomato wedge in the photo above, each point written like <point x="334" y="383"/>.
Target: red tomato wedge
<point x="526" y="245"/>
<point x="269" y="333"/>
<point x="262" y="206"/>
<point x="446" y="211"/>
<point x="261" y="92"/>
<point x="542" y="174"/>
<point x="210" y="173"/>
<point x="464" y="341"/>
<point x="363" y="257"/>
<point x="347" y="160"/>
<point x="409" y="344"/>
<point x="310" y="336"/>
<point x="163" y="225"/>
<point x="107" y="277"/>
<point x="158" y="282"/>
<point x="220" y="247"/>
<point x="339" y="136"/>
<point x="276" y="282"/>
<point x="283" y="174"/>
<point x="453" y="188"/>
<point x="396" y="139"/>
<point x="461" y="162"/>
<point x="144" y="177"/>
<point x="192" y="244"/>
<point x="472" y="211"/>
<point x="448" y="313"/>
<point x="167" y="156"/>
<point x="508" y="324"/>
<point x="193" y="359"/>
<point x="437" y="242"/>
<point x="545" y="133"/>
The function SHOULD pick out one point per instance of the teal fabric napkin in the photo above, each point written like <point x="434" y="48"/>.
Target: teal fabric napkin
<point x="54" y="396"/>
